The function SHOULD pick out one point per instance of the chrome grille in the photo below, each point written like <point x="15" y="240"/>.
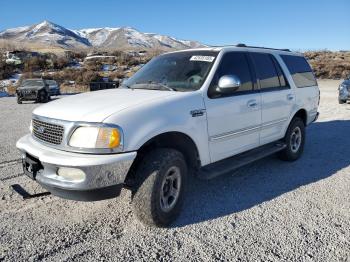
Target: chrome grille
<point x="48" y="132"/>
<point x="28" y="92"/>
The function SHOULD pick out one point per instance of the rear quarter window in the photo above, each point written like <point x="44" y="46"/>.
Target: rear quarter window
<point x="300" y="70"/>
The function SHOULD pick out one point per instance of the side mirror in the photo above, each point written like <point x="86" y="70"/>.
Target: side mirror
<point x="228" y="84"/>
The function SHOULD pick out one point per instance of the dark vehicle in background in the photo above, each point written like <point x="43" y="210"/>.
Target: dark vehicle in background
<point x="344" y="91"/>
<point x="95" y="86"/>
<point x="54" y="88"/>
<point x="33" y="90"/>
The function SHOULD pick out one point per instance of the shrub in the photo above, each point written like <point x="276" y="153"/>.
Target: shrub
<point x="80" y="76"/>
<point x="326" y="64"/>
<point x="60" y="62"/>
<point x="6" y="70"/>
<point x="35" y="63"/>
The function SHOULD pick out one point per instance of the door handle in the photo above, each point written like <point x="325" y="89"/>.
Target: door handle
<point x="290" y="97"/>
<point x="252" y="103"/>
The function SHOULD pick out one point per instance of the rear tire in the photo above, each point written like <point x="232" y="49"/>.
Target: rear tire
<point x="159" y="192"/>
<point x="294" y="139"/>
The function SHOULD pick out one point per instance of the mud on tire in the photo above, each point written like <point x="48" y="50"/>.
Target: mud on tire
<point x="153" y="175"/>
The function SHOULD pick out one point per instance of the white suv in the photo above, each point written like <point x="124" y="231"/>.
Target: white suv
<point x="202" y="112"/>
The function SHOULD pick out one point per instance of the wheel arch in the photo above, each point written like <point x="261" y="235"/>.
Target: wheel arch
<point x="302" y="114"/>
<point x="173" y="139"/>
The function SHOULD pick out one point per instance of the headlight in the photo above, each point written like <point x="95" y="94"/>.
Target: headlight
<point x="342" y="87"/>
<point x="91" y="137"/>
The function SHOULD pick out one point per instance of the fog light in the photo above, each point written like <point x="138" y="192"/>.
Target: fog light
<point x="71" y="174"/>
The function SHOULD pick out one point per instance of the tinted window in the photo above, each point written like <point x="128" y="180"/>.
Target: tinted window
<point x="281" y="76"/>
<point x="266" y="71"/>
<point x="300" y="70"/>
<point x="33" y="82"/>
<point x="234" y="63"/>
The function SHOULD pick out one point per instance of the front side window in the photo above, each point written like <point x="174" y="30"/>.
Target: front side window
<point x="300" y="70"/>
<point x="233" y="63"/>
<point x="180" y="71"/>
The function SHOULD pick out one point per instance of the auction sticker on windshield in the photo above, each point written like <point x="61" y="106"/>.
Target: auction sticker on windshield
<point x="202" y="58"/>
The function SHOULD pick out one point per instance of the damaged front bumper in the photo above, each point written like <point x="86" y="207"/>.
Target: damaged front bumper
<point x="76" y="176"/>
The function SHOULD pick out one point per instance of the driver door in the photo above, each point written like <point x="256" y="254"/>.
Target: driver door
<point x="233" y="120"/>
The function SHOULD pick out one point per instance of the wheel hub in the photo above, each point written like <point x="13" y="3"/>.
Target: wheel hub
<point x="170" y="190"/>
<point x="295" y="139"/>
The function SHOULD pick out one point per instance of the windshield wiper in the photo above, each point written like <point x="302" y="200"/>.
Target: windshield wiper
<point x="127" y="86"/>
<point x="162" y="86"/>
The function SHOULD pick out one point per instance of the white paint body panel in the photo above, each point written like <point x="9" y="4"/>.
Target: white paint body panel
<point x="169" y="114"/>
<point x="96" y="106"/>
<point x="144" y="114"/>
<point x="227" y="119"/>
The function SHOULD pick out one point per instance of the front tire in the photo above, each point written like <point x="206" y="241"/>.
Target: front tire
<point x="161" y="179"/>
<point x="294" y="139"/>
<point x="43" y="97"/>
<point x="19" y="101"/>
<point x="341" y="101"/>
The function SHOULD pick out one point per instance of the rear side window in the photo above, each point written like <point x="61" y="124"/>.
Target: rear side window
<point x="281" y="76"/>
<point x="300" y="70"/>
<point x="234" y="63"/>
<point x="269" y="76"/>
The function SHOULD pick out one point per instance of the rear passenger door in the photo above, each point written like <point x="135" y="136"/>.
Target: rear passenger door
<point x="306" y="89"/>
<point x="277" y="97"/>
<point x="233" y="120"/>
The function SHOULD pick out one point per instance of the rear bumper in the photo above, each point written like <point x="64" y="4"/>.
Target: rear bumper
<point x="104" y="174"/>
<point x="316" y="117"/>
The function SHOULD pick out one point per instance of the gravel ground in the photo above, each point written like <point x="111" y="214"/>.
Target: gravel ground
<point x="270" y="210"/>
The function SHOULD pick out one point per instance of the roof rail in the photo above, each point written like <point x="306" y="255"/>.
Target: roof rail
<point x="244" y="45"/>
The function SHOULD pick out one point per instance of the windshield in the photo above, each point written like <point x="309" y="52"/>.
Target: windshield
<point x="37" y="82"/>
<point x="182" y="71"/>
<point x="51" y="82"/>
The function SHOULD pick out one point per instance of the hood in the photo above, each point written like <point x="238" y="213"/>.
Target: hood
<point x="30" y="87"/>
<point x="346" y="82"/>
<point x="97" y="106"/>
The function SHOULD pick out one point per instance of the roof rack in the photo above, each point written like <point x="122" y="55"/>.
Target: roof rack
<point x="244" y="45"/>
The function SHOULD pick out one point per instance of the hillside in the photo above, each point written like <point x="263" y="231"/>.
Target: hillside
<point x="330" y="65"/>
<point x="52" y="35"/>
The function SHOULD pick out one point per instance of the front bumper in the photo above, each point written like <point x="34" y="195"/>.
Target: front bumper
<point x="28" y="97"/>
<point x="344" y="94"/>
<point x="104" y="174"/>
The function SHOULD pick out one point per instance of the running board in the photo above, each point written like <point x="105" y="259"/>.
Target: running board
<point x="230" y="164"/>
<point x="24" y="194"/>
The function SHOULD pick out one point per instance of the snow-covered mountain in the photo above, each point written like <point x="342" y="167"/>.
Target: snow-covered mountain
<point x="51" y="34"/>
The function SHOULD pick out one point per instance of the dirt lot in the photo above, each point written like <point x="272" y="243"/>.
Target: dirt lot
<point x="268" y="211"/>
